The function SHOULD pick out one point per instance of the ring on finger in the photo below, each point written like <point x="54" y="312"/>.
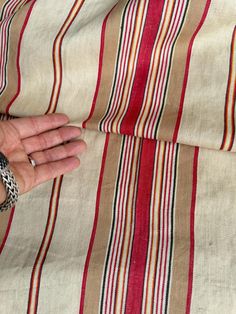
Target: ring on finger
<point x="32" y="161"/>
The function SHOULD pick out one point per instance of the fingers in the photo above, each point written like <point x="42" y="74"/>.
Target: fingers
<point x="49" y="164"/>
<point x="54" y="169"/>
<point x="49" y="139"/>
<point x="31" y="126"/>
<point x="59" y="152"/>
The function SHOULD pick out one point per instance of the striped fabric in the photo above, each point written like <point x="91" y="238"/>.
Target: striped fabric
<point x="147" y="222"/>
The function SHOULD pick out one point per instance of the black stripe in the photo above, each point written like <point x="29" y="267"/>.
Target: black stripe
<point x="168" y="73"/>
<point x="3" y="9"/>
<point x="172" y="228"/>
<point x="122" y="30"/>
<point x="159" y="223"/>
<point x="113" y="224"/>
<point x="7" y="49"/>
<point x="8" y="37"/>
<point x="134" y="205"/>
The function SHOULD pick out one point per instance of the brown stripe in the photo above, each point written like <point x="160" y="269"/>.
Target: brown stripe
<point x="92" y="294"/>
<point x="12" y="75"/>
<point x="180" y="266"/>
<point x="170" y="114"/>
<point x="109" y="61"/>
<point x="229" y="102"/>
<point x="2" y="2"/>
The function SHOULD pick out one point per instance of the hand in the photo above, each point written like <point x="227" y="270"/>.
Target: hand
<point x="43" y="138"/>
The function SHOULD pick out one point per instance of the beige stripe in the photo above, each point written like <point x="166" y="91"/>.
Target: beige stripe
<point x="202" y="122"/>
<point x="4" y="219"/>
<point x="214" y="286"/>
<point x="36" y="57"/>
<point x="12" y="74"/>
<point x="92" y="294"/>
<point x="169" y="117"/>
<point x="81" y="61"/>
<point x="180" y="266"/>
<point x="109" y="61"/>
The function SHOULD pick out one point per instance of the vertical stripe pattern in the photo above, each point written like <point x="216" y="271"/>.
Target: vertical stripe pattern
<point x="192" y="235"/>
<point x="55" y="196"/>
<point x="7" y="14"/>
<point x="134" y="248"/>
<point x="185" y="82"/>
<point x="151" y="32"/>
<point x="132" y="25"/>
<point x="14" y="19"/>
<point x="139" y="257"/>
<point x="56" y="55"/>
<point x="43" y="250"/>
<point x="154" y="100"/>
<point x="94" y="226"/>
<point x="122" y="220"/>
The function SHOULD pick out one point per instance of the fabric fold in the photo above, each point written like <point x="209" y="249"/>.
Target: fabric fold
<point x="147" y="222"/>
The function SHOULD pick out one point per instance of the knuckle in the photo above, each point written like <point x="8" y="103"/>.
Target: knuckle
<point x="43" y="141"/>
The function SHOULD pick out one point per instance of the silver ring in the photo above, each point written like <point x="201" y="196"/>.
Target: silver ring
<point x="32" y="161"/>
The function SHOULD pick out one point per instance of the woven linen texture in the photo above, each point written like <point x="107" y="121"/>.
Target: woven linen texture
<point x="147" y="222"/>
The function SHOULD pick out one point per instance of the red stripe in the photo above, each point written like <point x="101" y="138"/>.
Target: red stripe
<point x="192" y="219"/>
<point x="10" y="8"/>
<point x="129" y="65"/>
<point x="152" y="227"/>
<point x="153" y="19"/>
<point x="234" y="96"/>
<point x="7" y="230"/>
<point x="18" y="56"/>
<point x="141" y="232"/>
<point x="180" y="112"/>
<point x="85" y="274"/>
<point x="99" y="68"/>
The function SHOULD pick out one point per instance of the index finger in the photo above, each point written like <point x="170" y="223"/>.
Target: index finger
<point x="35" y="125"/>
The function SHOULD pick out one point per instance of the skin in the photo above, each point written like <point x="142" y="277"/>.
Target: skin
<point x="43" y="138"/>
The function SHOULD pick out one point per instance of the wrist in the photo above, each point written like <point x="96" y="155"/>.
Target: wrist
<point x="3" y="194"/>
